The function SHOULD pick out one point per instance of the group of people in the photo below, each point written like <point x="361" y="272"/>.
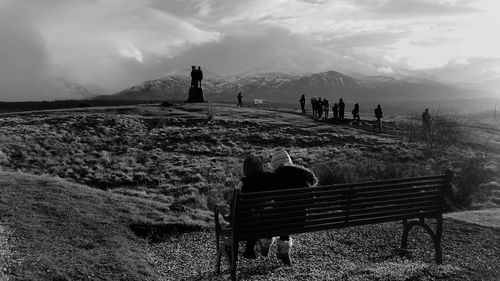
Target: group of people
<point x="284" y="175"/>
<point x="196" y="77"/>
<point x="322" y="106"/>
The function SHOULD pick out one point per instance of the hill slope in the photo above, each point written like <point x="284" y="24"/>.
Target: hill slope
<point x="58" y="230"/>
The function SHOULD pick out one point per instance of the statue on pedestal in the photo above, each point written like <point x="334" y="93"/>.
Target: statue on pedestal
<point x="195" y="91"/>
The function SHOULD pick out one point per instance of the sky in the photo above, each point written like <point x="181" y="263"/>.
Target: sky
<point x="114" y="44"/>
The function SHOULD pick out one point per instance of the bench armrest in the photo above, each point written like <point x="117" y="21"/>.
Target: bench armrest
<point x="219" y="211"/>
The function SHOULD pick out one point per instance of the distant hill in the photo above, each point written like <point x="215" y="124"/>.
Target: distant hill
<point x="286" y="88"/>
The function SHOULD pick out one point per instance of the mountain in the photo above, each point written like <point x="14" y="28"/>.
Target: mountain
<point x="287" y="87"/>
<point x="72" y="90"/>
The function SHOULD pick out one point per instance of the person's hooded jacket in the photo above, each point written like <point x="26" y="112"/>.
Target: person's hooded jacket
<point x="293" y="176"/>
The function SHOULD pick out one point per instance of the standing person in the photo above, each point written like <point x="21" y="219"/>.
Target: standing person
<point x="240" y="100"/>
<point x="379" y="114"/>
<point x="200" y="75"/>
<point x="341" y="110"/>
<point x="194" y="77"/>
<point x="326" y="108"/>
<point x="319" y="108"/>
<point x="302" y="101"/>
<point x="335" y="111"/>
<point x="426" y="120"/>
<point x="355" y="112"/>
<point x="286" y="176"/>
<point x="313" y="105"/>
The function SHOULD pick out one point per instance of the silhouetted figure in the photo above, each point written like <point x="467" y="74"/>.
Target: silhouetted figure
<point x="379" y="114"/>
<point x="313" y="105"/>
<point x="194" y="77"/>
<point x="326" y="108"/>
<point x="200" y="76"/>
<point x="240" y="100"/>
<point x="302" y="101"/>
<point x="341" y="110"/>
<point x="319" y="108"/>
<point x="355" y="112"/>
<point x="195" y="91"/>
<point x="426" y="120"/>
<point x="335" y="111"/>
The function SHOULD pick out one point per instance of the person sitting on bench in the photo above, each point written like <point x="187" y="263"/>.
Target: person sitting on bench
<point x="286" y="175"/>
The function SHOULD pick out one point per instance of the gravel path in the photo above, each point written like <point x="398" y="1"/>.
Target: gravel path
<point x="5" y="252"/>
<point x="362" y="253"/>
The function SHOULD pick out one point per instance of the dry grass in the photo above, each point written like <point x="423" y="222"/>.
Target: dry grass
<point x="153" y="171"/>
<point x="65" y="231"/>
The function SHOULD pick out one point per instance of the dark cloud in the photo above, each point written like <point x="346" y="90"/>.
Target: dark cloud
<point x="24" y="63"/>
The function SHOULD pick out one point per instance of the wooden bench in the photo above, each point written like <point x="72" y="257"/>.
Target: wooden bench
<point x="271" y="213"/>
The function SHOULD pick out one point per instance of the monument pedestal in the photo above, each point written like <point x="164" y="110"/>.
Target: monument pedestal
<point x="195" y="95"/>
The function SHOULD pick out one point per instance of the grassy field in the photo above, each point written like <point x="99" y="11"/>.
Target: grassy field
<point x="85" y="190"/>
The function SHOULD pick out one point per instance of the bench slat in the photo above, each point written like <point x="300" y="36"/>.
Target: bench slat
<point x="335" y="205"/>
<point x="305" y="218"/>
<point x="332" y="225"/>
<point x="308" y="199"/>
<point x="272" y="215"/>
<point x="311" y="191"/>
<point x="281" y="228"/>
<point x="340" y="187"/>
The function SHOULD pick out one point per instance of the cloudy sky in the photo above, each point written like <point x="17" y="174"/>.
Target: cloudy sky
<point x="117" y="43"/>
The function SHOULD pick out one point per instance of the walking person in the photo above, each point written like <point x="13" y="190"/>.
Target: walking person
<point x="240" y="100"/>
<point x="302" y="101"/>
<point x="355" y="113"/>
<point x="341" y="110"/>
<point x="378" y="114"/>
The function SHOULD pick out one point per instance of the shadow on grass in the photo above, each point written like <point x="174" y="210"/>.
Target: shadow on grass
<point x="157" y="232"/>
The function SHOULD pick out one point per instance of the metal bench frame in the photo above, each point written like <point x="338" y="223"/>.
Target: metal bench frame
<point x="271" y="213"/>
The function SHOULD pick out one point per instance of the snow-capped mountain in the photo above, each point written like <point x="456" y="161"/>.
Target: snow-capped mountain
<point x="287" y="87"/>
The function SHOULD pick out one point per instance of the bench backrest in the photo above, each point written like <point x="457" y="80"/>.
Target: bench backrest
<point x="275" y="212"/>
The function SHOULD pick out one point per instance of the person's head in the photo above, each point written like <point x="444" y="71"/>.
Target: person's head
<point x="378" y="105"/>
<point x="252" y="165"/>
<point x="193" y="67"/>
<point x="280" y="158"/>
<point x="199" y="68"/>
<point x="426" y="110"/>
<point x="340" y="100"/>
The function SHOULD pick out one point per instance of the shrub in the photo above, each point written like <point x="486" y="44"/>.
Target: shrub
<point x="471" y="174"/>
<point x="357" y="170"/>
<point x="444" y="132"/>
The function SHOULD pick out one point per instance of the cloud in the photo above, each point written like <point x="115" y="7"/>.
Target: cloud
<point x="24" y="66"/>
<point x="417" y="8"/>
<point x="471" y="70"/>
<point x="266" y="48"/>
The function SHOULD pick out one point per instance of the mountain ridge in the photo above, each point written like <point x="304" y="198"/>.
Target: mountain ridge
<point x="287" y="87"/>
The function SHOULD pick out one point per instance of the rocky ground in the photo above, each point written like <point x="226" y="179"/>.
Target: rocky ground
<point x="362" y="253"/>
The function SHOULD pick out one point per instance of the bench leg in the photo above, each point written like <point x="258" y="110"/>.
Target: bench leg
<point x="218" y="258"/>
<point x="234" y="258"/>
<point x="435" y="236"/>
<point x="404" y="239"/>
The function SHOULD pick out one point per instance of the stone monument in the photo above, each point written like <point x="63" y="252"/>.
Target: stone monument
<point x="195" y="90"/>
